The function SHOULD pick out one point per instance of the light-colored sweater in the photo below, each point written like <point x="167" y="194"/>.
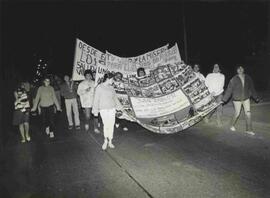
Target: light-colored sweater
<point x="105" y="98"/>
<point x="86" y="96"/>
<point x="46" y="97"/>
<point x="200" y="76"/>
<point x="215" y="83"/>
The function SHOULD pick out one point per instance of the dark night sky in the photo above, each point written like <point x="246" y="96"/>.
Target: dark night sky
<point x="216" y="32"/>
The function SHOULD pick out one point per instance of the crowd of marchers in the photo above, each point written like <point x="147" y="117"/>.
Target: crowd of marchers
<point x="45" y="101"/>
<point x="101" y="102"/>
<point x="240" y="89"/>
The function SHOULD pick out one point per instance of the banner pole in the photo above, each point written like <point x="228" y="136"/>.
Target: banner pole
<point x="74" y="59"/>
<point x="185" y="33"/>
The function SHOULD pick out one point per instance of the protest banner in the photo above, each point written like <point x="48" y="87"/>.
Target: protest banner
<point x="157" y="107"/>
<point x="129" y="66"/>
<point x="86" y="57"/>
<point x="168" y="99"/>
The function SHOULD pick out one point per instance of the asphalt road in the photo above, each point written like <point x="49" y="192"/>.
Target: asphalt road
<point x="203" y="161"/>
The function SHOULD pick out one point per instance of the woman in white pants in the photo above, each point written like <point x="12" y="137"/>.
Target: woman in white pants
<point x="105" y="103"/>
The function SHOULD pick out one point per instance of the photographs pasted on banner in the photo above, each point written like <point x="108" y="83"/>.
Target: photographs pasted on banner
<point x="168" y="99"/>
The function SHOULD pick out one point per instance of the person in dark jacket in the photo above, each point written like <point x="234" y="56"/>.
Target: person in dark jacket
<point x="241" y="88"/>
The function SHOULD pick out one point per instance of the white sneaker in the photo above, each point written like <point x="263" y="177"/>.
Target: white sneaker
<point x="51" y="135"/>
<point x="125" y="129"/>
<point x="232" y="128"/>
<point x="47" y="130"/>
<point x="96" y="131"/>
<point x="23" y="141"/>
<point x="104" y="146"/>
<point x="28" y="138"/>
<point x="86" y="127"/>
<point x="250" y="133"/>
<point x="111" y="145"/>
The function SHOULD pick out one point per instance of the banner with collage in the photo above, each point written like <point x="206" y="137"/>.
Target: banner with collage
<point x="168" y="99"/>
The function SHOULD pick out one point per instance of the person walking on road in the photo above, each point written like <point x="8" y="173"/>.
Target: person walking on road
<point x="118" y="83"/>
<point x="241" y="88"/>
<point x="21" y="112"/>
<point x="215" y="83"/>
<point x="46" y="98"/>
<point x="106" y="103"/>
<point x="68" y="91"/>
<point x="56" y="83"/>
<point x="86" y="91"/>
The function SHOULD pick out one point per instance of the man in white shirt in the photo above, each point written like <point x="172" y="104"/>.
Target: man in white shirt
<point x="215" y="83"/>
<point x="196" y="69"/>
<point x="86" y="93"/>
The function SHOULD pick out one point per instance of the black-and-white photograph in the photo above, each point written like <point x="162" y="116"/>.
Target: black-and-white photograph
<point x="152" y="91"/>
<point x="133" y="81"/>
<point x="134" y="91"/>
<point x="164" y="121"/>
<point x="147" y="81"/>
<point x="161" y="73"/>
<point x="192" y="86"/>
<point x="74" y="72"/>
<point x="169" y="86"/>
<point x="177" y="67"/>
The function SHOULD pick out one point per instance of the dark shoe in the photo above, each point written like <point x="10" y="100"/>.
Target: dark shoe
<point x="70" y="127"/>
<point x="78" y="128"/>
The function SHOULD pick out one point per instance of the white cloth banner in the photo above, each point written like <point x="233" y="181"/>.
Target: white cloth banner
<point x="169" y="99"/>
<point x="86" y="57"/>
<point x="161" y="106"/>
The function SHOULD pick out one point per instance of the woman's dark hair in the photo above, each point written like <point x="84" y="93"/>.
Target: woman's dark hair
<point x="238" y="66"/>
<point x="219" y="66"/>
<point x="88" y="71"/>
<point x="140" y="69"/>
<point x="46" y="77"/>
<point x="197" y="65"/>
<point x="19" y="86"/>
<point x="107" y="76"/>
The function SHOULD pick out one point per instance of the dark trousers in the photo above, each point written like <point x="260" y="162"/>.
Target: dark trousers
<point x="96" y="121"/>
<point x="47" y="115"/>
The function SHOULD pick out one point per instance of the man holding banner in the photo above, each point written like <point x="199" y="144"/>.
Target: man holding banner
<point x="86" y="92"/>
